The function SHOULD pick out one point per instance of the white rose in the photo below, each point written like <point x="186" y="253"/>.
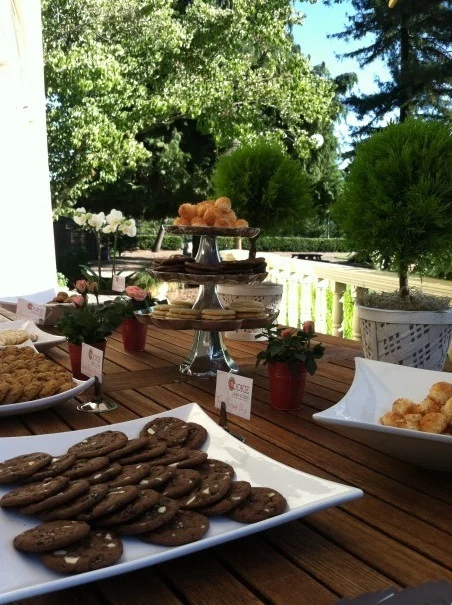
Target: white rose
<point x="96" y="220"/>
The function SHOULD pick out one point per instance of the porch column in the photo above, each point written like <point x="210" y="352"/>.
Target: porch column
<point x="27" y="250"/>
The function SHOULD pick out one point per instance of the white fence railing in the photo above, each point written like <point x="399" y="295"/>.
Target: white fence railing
<point x="316" y="290"/>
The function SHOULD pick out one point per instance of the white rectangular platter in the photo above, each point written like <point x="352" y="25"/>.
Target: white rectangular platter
<point x="375" y="387"/>
<point x="44" y="341"/>
<point x="22" y="576"/>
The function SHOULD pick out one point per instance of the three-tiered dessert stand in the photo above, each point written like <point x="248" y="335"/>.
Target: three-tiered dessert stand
<point x="208" y="353"/>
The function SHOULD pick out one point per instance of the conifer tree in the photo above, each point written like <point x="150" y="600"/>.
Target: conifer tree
<point x="414" y="39"/>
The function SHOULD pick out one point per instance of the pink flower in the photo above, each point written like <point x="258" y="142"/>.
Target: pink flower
<point x="136" y="293"/>
<point x="308" y="327"/>
<point x="288" y="332"/>
<point x="78" y="300"/>
<point x="81" y="285"/>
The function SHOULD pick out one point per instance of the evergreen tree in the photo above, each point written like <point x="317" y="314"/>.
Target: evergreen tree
<point x="414" y="38"/>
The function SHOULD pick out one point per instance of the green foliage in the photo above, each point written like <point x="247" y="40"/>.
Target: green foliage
<point x="128" y="82"/>
<point x="290" y="244"/>
<point x="397" y="202"/>
<point x="413" y="39"/>
<point x="291" y="346"/>
<point x="90" y="324"/>
<point x="68" y="261"/>
<point x="62" y="280"/>
<point x="267" y="187"/>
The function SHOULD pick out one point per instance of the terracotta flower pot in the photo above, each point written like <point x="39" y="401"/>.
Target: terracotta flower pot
<point x="75" y="355"/>
<point x="286" y="385"/>
<point x="133" y="334"/>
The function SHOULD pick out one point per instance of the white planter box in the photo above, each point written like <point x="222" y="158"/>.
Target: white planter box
<point x="419" y="339"/>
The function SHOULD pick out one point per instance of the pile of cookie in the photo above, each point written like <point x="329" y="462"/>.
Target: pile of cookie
<point x="179" y="263"/>
<point x="209" y="213"/>
<point x="158" y="486"/>
<point x="181" y="310"/>
<point x="61" y="298"/>
<point x="178" y="309"/>
<point x="26" y="375"/>
<point x="16" y="337"/>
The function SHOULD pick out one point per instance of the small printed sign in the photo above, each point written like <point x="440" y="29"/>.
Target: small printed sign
<point x="118" y="283"/>
<point x="91" y="361"/>
<point x="236" y="391"/>
<point x="33" y="311"/>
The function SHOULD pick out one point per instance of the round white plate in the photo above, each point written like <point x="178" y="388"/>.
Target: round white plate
<point x="12" y="409"/>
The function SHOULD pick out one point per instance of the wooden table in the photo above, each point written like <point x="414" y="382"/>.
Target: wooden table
<point x="398" y="534"/>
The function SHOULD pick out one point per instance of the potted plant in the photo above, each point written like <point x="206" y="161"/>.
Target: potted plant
<point x="289" y="356"/>
<point x="87" y="323"/>
<point x="396" y="208"/>
<point x="133" y="332"/>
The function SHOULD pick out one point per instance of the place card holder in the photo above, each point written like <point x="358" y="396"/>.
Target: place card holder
<point x="223" y="422"/>
<point x="100" y="403"/>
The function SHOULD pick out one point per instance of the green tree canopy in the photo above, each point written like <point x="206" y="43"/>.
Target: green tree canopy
<point x="125" y="78"/>
<point x="414" y="40"/>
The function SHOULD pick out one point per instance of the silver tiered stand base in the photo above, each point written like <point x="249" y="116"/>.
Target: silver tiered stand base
<point x="208" y="353"/>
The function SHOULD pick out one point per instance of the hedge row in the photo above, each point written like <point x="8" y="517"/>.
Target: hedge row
<point x="265" y="243"/>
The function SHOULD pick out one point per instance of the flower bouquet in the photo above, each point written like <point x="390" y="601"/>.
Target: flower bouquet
<point x="289" y="356"/>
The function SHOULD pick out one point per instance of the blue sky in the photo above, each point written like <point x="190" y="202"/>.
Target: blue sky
<point x="312" y="37"/>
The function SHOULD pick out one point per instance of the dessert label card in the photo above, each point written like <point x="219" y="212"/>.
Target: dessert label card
<point x="118" y="283"/>
<point x="236" y="391"/>
<point x="91" y="361"/>
<point x="35" y="312"/>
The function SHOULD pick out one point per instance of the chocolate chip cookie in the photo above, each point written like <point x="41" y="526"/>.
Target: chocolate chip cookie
<point x="48" y="536"/>
<point x="100" y="444"/>
<point x="262" y="503"/>
<point x="213" y="487"/>
<point x="131" y="475"/>
<point x="146" y="500"/>
<point x="197" y="435"/>
<point x="21" y="467"/>
<point x="157" y="477"/>
<point x="181" y="483"/>
<point x="132" y="445"/>
<point x="99" y="549"/>
<point x="115" y="499"/>
<point x="34" y="492"/>
<point x="72" y="490"/>
<point x="159" y="514"/>
<point x="172" y="431"/>
<point x="238" y="492"/>
<point x="86" y="466"/>
<point x="71" y="509"/>
<point x="184" y="528"/>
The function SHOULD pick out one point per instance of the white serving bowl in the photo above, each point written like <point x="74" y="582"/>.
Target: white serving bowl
<point x="374" y="389"/>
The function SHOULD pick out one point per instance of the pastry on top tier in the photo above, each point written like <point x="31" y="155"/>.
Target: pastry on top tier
<point x="209" y="213"/>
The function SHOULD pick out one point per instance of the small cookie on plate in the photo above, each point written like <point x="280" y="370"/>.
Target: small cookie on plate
<point x="21" y="467"/>
<point x="100" y="444"/>
<point x="46" y="537"/>
<point x="262" y="503"/>
<point x="99" y="549"/>
<point x="184" y="528"/>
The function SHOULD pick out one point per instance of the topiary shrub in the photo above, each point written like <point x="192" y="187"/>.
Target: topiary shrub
<point x="266" y="186"/>
<point x="396" y="206"/>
